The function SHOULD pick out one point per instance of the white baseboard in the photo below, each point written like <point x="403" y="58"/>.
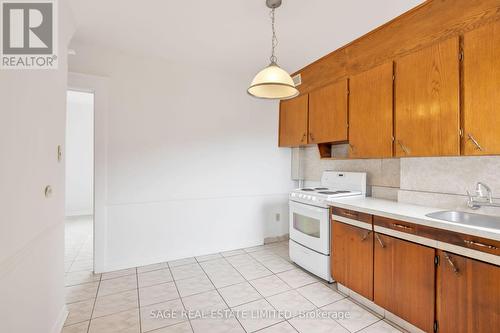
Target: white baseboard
<point x="61" y="319"/>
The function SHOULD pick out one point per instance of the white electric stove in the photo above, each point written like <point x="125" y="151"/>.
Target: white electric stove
<point x="310" y="220"/>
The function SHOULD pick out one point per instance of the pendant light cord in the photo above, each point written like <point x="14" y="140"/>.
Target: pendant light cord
<point x="274" y="41"/>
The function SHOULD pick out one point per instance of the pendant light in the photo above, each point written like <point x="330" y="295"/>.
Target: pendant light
<point x="273" y="82"/>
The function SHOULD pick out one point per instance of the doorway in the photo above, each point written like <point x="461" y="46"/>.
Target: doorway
<point x="79" y="203"/>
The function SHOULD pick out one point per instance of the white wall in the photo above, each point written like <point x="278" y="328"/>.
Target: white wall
<point x="79" y="153"/>
<point x="32" y="122"/>
<point x="193" y="165"/>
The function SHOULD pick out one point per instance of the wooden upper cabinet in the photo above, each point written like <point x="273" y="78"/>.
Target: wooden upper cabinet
<point x="427" y="115"/>
<point x="370" y="113"/>
<point x="403" y="281"/>
<point x="328" y="113"/>
<point x="352" y="258"/>
<point x="468" y="295"/>
<point x="481" y="108"/>
<point x="293" y="122"/>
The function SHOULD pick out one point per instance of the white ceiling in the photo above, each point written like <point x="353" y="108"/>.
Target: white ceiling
<point x="234" y="33"/>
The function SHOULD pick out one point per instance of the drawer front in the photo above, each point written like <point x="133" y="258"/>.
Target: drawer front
<point x="351" y="214"/>
<point x="471" y="242"/>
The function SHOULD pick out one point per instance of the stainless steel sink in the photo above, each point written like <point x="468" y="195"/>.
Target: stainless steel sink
<point x="471" y="219"/>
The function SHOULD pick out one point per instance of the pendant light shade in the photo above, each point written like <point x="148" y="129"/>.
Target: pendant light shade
<point x="273" y="82"/>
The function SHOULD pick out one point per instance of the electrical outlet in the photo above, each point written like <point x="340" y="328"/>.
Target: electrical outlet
<point x="278" y="216"/>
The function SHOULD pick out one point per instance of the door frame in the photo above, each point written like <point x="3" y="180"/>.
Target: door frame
<point x="99" y="87"/>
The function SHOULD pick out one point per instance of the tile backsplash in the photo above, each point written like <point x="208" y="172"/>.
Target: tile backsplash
<point x="439" y="182"/>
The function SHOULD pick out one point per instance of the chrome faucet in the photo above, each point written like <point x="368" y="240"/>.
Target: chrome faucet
<point x="483" y="198"/>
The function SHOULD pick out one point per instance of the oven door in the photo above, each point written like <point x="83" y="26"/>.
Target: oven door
<point x="309" y="226"/>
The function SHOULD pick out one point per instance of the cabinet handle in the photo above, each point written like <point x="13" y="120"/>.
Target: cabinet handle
<point x="448" y="259"/>
<point x="365" y="236"/>
<point x="304" y="136"/>
<point x="469" y="242"/>
<point x="474" y="141"/>
<point x="311" y="136"/>
<point x="405" y="149"/>
<point x="402" y="226"/>
<point x="379" y="240"/>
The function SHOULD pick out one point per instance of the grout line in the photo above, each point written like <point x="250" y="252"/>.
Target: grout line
<point x="220" y="295"/>
<point x="180" y="298"/>
<point x="93" y="306"/>
<point x="138" y="299"/>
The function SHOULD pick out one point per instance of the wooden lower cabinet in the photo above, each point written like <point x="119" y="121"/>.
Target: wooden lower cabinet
<point x="352" y="258"/>
<point x="468" y="295"/>
<point x="404" y="280"/>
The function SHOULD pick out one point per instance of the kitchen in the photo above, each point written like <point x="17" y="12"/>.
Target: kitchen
<point x="357" y="192"/>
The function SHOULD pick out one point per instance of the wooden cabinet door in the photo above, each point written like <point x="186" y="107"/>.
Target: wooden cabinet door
<point x="427" y="116"/>
<point x="404" y="280"/>
<point x="481" y="108"/>
<point x="370" y="113"/>
<point x="468" y="295"/>
<point x="328" y="113"/>
<point x="352" y="258"/>
<point x="293" y="122"/>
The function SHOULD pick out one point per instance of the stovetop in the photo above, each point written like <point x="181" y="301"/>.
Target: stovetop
<point x="333" y="185"/>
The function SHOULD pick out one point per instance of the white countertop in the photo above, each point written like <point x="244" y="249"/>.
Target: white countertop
<point x="410" y="213"/>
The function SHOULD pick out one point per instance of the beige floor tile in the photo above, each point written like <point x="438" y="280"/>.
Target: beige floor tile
<point x="239" y="260"/>
<point x="357" y="319"/>
<point x="162" y="314"/>
<point x="207" y="301"/>
<point x="79" y="311"/>
<point x="153" y="267"/>
<point x="183" y="327"/>
<point x="226" y="278"/>
<point x="283" y="327"/>
<point x="239" y="294"/>
<point x="118" y="285"/>
<point x="277" y="265"/>
<point x="253" y="270"/>
<point x="270" y="285"/>
<point x="291" y="303"/>
<point x="187" y="271"/>
<point x="297" y="278"/>
<point x="194" y="285"/>
<point x="154" y="277"/>
<point x="74" y="278"/>
<point x="76" y="328"/>
<point x="380" y="327"/>
<point x="232" y="253"/>
<point x="208" y="257"/>
<point x="120" y="273"/>
<point x="317" y="324"/>
<point x="158" y="293"/>
<point x="122" y="322"/>
<point x="111" y="304"/>
<point x="256" y="315"/>
<point x="216" y="266"/>
<point x="181" y="262"/>
<point x="319" y="294"/>
<point x="81" y="292"/>
<point x="217" y="325"/>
